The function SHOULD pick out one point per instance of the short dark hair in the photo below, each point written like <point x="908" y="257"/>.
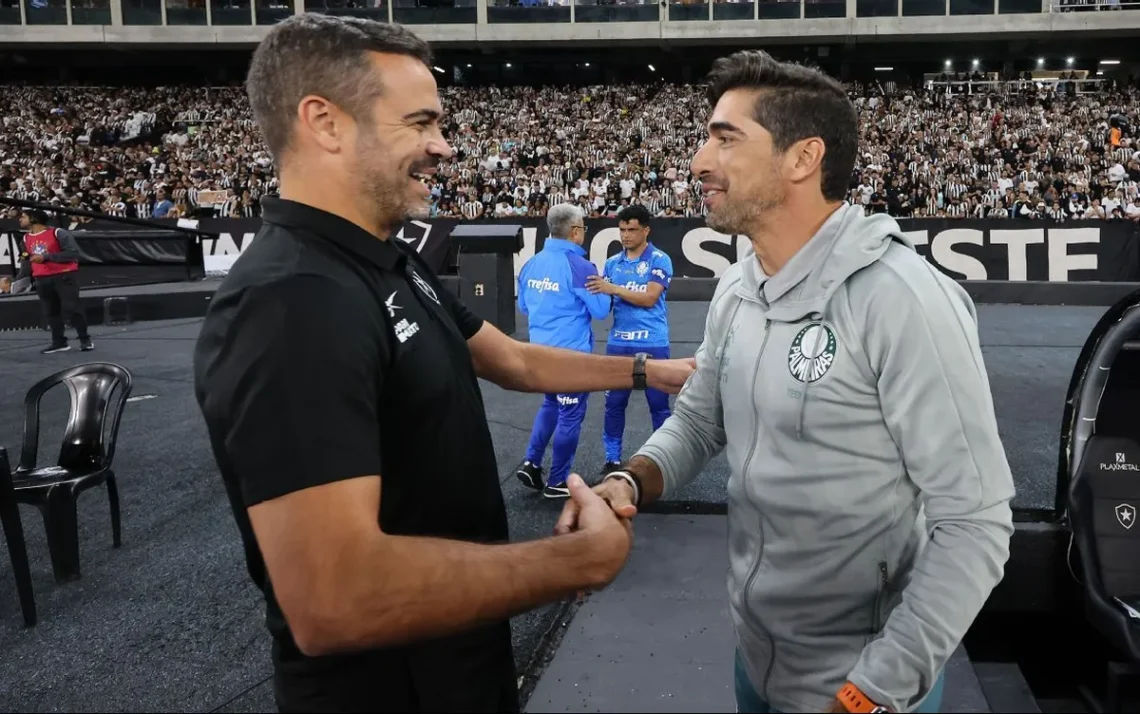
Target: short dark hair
<point x="324" y="55"/>
<point x="36" y="216"/>
<point x="636" y="212"/>
<point x="798" y="103"/>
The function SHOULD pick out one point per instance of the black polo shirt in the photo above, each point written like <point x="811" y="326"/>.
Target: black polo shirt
<point x="328" y="354"/>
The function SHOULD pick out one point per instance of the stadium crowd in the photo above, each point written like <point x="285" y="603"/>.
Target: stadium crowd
<point x="194" y="152"/>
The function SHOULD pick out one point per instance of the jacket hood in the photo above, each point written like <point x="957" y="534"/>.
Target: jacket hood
<point x="847" y="242"/>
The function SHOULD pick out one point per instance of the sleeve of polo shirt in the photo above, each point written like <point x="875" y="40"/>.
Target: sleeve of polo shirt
<point x="468" y="322"/>
<point x="299" y="377"/>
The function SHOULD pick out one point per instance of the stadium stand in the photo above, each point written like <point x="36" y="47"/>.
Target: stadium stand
<point x="1021" y="110"/>
<point x="1004" y="149"/>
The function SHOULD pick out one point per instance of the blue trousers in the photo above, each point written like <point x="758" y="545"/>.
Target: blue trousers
<point x="748" y="701"/>
<point x="559" y="416"/>
<point x="618" y="399"/>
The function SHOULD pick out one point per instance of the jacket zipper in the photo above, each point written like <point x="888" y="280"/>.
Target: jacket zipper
<point x="771" y="664"/>
<point x="744" y="476"/>
<point x="883" y="582"/>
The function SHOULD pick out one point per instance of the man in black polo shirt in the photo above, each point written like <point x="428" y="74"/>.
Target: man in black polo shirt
<point x="338" y="380"/>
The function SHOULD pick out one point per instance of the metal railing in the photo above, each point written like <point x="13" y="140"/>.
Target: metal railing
<point x="215" y="13"/>
<point x="248" y="13"/>
<point x="1092" y="5"/>
<point x="1015" y="86"/>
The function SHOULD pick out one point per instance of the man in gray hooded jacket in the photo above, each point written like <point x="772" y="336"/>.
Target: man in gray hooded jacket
<point x="868" y="515"/>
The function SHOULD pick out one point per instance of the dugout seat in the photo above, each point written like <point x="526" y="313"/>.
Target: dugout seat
<point x="1104" y="393"/>
<point x="1099" y="489"/>
<point x="1104" y="500"/>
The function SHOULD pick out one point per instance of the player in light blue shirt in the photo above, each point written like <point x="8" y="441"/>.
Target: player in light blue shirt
<point x="637" y="278"/>
<point x="552" y="294"/>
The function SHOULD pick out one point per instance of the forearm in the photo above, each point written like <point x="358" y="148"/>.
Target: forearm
<point x="634" y="298"/>
<point x="403" y="589"/>
<point x="553" y="370"/>
<point x="649" y="476"/>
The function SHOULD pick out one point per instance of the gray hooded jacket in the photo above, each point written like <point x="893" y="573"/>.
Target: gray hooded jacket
<point x="868" y="502"/>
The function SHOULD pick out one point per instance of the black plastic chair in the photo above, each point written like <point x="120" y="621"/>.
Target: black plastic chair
<point x="99" y="392"/>
<point x="1104" y="504"/>
<point x="14" y="535"/>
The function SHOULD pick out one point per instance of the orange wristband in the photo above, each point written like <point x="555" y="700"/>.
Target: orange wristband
<point x="856" y="702"/>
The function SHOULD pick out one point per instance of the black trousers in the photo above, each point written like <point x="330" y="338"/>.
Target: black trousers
<point x="59" y="296"/>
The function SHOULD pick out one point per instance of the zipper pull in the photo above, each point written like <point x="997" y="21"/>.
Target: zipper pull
<point x="883" y="573"/>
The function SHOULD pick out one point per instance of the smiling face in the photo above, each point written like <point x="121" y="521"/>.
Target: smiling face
<point x="738" y="166"/>
<point x="381" y="147"/>
<point x="399" y="147"/>
<point x="349" y="110"/>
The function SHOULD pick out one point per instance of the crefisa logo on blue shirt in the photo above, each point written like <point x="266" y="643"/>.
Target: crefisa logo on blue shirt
<point x="544" y="285"/>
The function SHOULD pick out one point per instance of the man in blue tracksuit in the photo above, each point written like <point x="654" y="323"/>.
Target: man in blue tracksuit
<point x="637" y="279"/>
<point x="552" y="294"/>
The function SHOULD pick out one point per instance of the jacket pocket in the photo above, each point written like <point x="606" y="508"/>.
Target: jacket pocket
<point x="881" y="594"/>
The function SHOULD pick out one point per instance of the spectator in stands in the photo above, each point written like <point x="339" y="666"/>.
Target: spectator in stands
<point x="614" y="144"/>
<point x="162" y="204"/>
<point x="1132" y="211"/>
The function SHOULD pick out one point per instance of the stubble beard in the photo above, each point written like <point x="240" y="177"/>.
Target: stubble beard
<point x="383" y="189"/>
<point x="741" y="217"/>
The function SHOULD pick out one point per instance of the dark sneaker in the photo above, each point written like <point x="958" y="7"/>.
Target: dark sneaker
<point x="560" y="491"/>
<point x="530" y="475"/>
<point x="86" y="345"/>
<point x="610" y="467"/>
<point x="56" y="348"/>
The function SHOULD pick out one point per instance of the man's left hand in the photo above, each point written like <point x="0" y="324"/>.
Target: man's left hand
<point x="597" y="284"/>
<point x="37" y="259"/>
<point x="669" y="375"/>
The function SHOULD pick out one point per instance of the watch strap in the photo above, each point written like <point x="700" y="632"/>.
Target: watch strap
<point x="856" y="702"/>
<point x="639" y="382"/>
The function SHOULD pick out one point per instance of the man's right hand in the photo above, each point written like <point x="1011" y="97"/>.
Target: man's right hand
<point x="593" y="512"/>
<point x="614" y="493"/>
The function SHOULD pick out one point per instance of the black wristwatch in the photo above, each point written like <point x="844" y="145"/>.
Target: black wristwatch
<point x="639" y="370"/>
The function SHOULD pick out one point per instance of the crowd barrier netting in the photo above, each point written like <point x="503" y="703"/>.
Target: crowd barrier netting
<point x="116" y="251"/>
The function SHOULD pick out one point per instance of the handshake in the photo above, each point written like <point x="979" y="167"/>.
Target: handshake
<point x="604" y="514"/>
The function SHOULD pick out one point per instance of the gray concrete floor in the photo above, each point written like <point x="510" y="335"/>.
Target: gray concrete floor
<point x="660" y="638"/>
<point x="170" y="622"/>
